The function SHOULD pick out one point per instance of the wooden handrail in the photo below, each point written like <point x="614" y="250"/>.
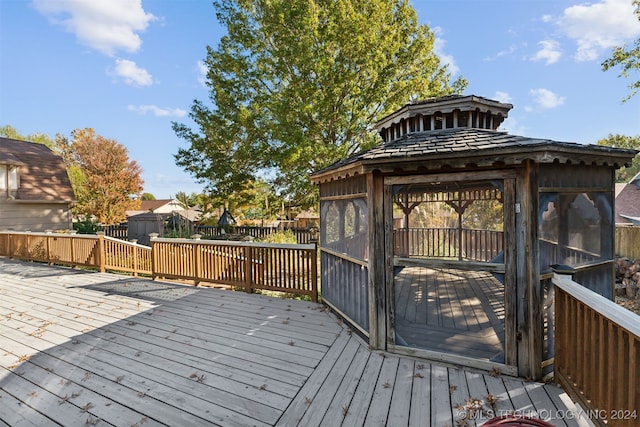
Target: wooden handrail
<point x="290" y="268"/>
<point x="597" y="353"/>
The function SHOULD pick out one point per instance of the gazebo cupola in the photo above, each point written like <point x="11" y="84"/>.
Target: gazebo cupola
<point x="450" y="112"/>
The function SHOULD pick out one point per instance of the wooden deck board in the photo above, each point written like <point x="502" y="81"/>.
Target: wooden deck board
<point x="465" y="311"/>
<point x="79" y="348"/>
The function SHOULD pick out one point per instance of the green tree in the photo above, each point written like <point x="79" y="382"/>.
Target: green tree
<point x="185" y="200"/>
<point x="297" y="84"/>
<point x="628" y="142"/>
<point x="106" y="182"/>
<point x="10" y="132"/>
<point x="628" y="57"/>
<point x="147" y="196"/>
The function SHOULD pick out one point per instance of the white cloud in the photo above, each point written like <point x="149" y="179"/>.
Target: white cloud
<point x="438" y="48"/>
<point x="107" y="26"/>
<point x="131" y="73"/>
<point x="599" y="27"/>
<point x="549" y="52"/>
<point x="547" y="18"/>
<point x="545" y="99"/>
<point x="202" y="73"/>
<point x="157" y="111"/>
<point x="503" y="97"/>
<point x="505" y="52"/>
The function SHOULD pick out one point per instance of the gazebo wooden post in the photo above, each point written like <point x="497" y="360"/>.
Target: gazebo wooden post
<point x="379" y="261"/>
<point x="528" y="289"/>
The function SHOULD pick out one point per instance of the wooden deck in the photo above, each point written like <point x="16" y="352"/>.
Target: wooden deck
<point x="451" y="311"/>
<point x="81" y="348"/>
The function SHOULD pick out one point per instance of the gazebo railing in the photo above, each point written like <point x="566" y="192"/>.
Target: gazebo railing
<point x="468" y="244"/>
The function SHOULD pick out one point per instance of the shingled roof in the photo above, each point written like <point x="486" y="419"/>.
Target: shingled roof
<point x="459" y="147"/>
<point x="43" y="174"/>
<point x="628" y="203"/>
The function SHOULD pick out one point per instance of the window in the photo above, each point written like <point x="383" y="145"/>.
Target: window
<point x="9" y="182"/>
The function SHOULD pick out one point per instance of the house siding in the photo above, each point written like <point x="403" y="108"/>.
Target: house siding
<point x="34" y="216"/>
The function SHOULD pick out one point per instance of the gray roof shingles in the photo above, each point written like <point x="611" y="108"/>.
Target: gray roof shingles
<point x="454" y="142"/>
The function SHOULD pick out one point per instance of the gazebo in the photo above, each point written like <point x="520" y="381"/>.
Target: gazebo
<point x="440" y="241"/>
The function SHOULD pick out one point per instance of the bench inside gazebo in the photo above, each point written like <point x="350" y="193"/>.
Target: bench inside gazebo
<point x="440" y="241"/>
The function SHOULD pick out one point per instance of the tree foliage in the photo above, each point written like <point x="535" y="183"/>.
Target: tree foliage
<point x="296" y="85"/>
<point x="627" y="57"/>
<point x="8" y="131"/>
<point x="628" y="142"/>
<point x="105" y="181"/>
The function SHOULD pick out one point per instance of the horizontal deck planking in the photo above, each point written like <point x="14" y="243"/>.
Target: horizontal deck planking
<point x="79" y="347"/>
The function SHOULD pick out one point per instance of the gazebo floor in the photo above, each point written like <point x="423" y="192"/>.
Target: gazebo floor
<point x="450" y="311"/>
<point x="84" y="348"/>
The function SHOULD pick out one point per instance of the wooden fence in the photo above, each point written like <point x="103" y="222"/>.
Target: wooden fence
<point x="289" y="268"/>
<point x="116" y="231"/>
<point x="303" y="235"/>
<point x="628" y="241"/>
<point x="86" y="250"/>
<point x="597" y="353"/>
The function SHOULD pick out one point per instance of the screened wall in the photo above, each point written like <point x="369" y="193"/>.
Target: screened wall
<point x="345" y="248"/>
<point x="576" y="225"/>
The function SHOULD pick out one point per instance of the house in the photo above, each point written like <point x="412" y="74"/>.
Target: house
<point x="628" y="202"/>
<point x="35" y="190"/>
<point x="166" y="206"/>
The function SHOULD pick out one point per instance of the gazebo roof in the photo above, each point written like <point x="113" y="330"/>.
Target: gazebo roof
<point x="461" y="132"/>
<point x="463" y="147"/>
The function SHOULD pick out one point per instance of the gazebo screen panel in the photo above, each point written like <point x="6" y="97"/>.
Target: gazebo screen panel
<point x="427" y="221"/>
<point x="575" y="230"/>
<point x="345" y="247"/>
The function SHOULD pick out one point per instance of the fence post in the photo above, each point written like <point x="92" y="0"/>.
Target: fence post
<point x="101" y="253"/>
<point x="558" y="337"/>
<point x="48" y="245"/>
<point x="154" y="261"/>
<point x="9" y="245"/>
<point x="314" y="231"/>
<point x="247" y="269"/>
<point x="196" y="259"/>
<point x="134" y="251"/>
<point x="314" y="273"/>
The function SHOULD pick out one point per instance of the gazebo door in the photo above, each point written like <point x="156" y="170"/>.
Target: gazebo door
<point x="447" y="294"/>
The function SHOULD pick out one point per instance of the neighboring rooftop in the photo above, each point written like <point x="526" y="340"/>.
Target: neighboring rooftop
<point x="628" y="203"/>
<point x="42" y="173"/>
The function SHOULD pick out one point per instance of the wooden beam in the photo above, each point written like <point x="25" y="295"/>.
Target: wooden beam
<point x="510" y="278"/>
<point x="377" y="261"/>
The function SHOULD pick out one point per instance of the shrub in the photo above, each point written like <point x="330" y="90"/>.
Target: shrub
<point x="285" y="236"/>
<point x="86" y="226"/>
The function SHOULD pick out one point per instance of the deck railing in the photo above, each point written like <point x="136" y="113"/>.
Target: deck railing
<point x="289" y="268"/>
<point x="597" y="353"/>
<point x="87" y="250"/>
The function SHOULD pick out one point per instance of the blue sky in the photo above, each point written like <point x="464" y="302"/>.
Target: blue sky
<point x="128" y="68"/>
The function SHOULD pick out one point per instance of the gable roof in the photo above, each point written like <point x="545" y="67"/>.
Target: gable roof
<point x="43" y="174"/>
<point x="152" y="205"/>
<point x="460" y="146"/>
<point x="628" y="204"/>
